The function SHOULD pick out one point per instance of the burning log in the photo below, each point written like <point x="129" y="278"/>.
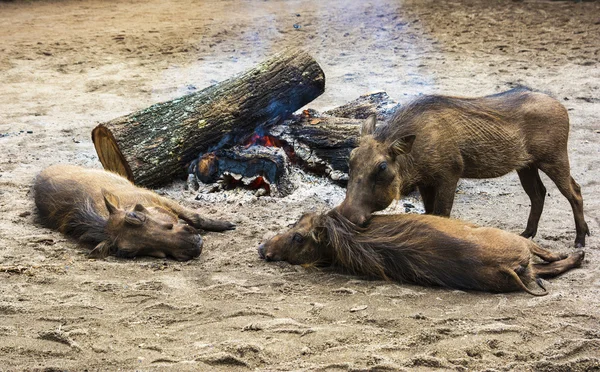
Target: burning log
<point x="152" y="146"/>
<point x="252" y="167"/>
<point x="366" y="105"/>
<point x="321" y="144"/>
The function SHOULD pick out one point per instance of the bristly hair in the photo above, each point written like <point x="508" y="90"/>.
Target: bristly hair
<point x="517" y="89"/>
<point x="339" y="235"/>
<point x="474" y="114"/>
<point x="73" y="213"/>
<point x="86" y="224"/>
<point x="402" y="249"/>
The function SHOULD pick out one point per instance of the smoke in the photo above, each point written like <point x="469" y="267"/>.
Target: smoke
<point x="362" y="47"/>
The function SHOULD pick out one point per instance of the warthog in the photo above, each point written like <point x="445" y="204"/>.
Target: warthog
<point x="421" y="249"/>
<point x="434" y="141"/>
<point x="105" y="209"/>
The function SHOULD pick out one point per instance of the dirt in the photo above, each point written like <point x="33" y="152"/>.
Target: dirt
<point x="67" y="65"/>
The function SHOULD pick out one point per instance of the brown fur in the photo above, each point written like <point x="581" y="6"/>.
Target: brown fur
<point x="105" y="209"/>
<point x="421" y="249"/>
<point x="436" y="140"/>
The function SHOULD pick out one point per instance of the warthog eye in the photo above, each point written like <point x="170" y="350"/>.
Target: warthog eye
<point x="135" y="218"/>
<point x="382" y="166"/>
<point x="297" y="238"/>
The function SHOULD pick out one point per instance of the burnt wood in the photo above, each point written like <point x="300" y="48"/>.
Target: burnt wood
<point x="152" y="146"/>
<point x="266" y="162"/>
<point x="378" y="103"/>
<point x="321" y="144"/>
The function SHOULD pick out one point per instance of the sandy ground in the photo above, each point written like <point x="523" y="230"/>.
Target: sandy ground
<point x="67" y="65"/>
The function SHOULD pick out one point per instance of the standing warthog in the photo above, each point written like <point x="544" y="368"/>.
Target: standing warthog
<point x="421" y="249"/>
<point x="434" y="141"/>
<point x="105" y="209"/>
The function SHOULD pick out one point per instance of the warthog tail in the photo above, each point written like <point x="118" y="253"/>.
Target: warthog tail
<point x="518" y="280"/>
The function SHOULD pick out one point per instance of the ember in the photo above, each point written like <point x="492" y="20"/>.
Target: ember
<point x="260" y="183"/>
<point x="264" y="140"/>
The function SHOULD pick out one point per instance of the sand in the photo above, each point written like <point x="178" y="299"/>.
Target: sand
<point x="66" y="66"/>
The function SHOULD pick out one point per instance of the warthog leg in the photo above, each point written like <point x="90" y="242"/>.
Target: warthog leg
<point x="513" y="274"/>
<point x="428" y="195"/>
<point x="545" y="254"/>
<point x="533" y="186"/>
<point x="558" y="267"/>
<point x="444" y="197"/>
<point x="559" y="173"/>
<point x="194" y="219"/>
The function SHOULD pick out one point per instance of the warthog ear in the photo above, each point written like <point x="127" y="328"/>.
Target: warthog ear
<point x="317" y="235"/>
<point x="140" y="208"/>
<point x="368" y="126"/>
<point x="403" y="145"/>
<point x="111" y="201"/>
<point x="102" y="250"/>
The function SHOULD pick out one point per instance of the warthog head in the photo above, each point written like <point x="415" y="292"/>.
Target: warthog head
<point x="375" y="179"/>
<point x="299" y="245"/>
<point x="141" y="231"/>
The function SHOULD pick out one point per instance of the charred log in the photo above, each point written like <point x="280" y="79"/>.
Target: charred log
<point x="252" y="167"/>
<point x="152" y="146"/>
<point x="321" y="144"/>
<point x="366" y="105"/>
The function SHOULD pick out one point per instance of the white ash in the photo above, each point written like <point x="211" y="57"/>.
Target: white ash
<point x="310" y="190"/>
<point x="306" y="186"/>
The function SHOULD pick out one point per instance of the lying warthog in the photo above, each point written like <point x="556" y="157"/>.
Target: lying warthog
<point x="434" y="141"/>
<point x="105" y="209"/>
<point x="421" y="249"/>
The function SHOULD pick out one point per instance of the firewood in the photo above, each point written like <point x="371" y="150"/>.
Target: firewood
<point x="321" y="144"/>
<point x="152" y="147"/>
<point x="251" y="167"/>
<point x="378" y="103"/>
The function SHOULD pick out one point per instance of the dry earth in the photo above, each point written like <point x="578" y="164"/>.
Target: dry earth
<point x="67" y="65"/>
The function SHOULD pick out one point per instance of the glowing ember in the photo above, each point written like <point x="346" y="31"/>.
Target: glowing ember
<point x="258" y="183"/>
<point x="266" y="141"/>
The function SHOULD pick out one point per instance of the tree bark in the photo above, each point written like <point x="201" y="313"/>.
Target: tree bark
<point x="378" y="103"/>
<point x="152" y="147"/>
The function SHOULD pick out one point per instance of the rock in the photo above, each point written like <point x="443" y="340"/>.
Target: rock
<point x="358" y="308"/>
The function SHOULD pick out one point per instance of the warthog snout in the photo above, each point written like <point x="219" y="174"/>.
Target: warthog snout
<point x="261" y="252"/>
<point x="270" y="251"/>
<point x="356" y="216"/>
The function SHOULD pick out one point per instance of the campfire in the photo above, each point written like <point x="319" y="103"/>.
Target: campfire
<point x="315" y="142"/>
<point x="241" y="132"/>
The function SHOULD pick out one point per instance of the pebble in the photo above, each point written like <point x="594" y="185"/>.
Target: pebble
<point x="358" y="308"/>
<point x="343" y="290"/>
